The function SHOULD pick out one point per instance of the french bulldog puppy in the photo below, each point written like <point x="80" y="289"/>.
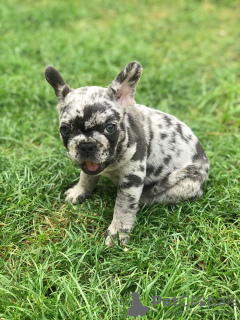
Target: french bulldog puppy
<point x="151" y="156"/>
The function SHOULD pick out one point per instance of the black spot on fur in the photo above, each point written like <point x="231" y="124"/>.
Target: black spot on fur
<point x="133" y="206"/>
<point x="140" y="153"/>
<point x="192" y="170"/>
<point x="163" y="136"/>
<point x="167" y="159"/>
<point x="199" y="154"/>
<point x="137" y="135"/>
<point x="122" y="127"/>
<point x="150" y="170"/>
<point x="164" y="183"/>
<point x="159" y="170"/>
<point x="168" y="121"/>
<point x="179" y="130"/>
<point x="89" y="110"/>
<point x="161" y="148"/>
<point x="119" y="150"/>
<point x="193" y="173"/>
<point x="133" y="181"/>
<point x="124" y="230"/>
<point x="149" y="150"/>
<point x="173" y="139"/>
<point x="77" y="124"/>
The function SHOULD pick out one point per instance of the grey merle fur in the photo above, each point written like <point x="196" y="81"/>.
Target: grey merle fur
<point x="151" y="156"/>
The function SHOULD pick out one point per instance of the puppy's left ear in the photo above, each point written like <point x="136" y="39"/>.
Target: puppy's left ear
<point x="56" y="81"/>
<point x="124" y="86"/>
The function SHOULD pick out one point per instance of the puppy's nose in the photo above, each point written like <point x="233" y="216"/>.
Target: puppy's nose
<point x="87" y="147"/>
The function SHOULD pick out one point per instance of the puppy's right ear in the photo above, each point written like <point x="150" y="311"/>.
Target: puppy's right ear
<point x="56" y="81"/>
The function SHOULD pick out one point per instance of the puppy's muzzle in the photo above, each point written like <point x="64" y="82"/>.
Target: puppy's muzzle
<point x="87" y="149"/>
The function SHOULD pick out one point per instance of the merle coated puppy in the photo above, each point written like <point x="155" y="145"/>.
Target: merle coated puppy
<point x="151" y="156"/>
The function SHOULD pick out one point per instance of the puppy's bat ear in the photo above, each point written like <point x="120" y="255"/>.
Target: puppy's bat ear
<point x="56" y="81"/>
<point x="124" y="86"/>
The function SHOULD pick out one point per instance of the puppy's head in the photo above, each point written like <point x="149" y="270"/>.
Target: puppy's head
<point x="92" y="119"/>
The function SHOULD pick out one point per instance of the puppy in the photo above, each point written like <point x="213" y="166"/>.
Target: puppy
<point x="151" y="156"/>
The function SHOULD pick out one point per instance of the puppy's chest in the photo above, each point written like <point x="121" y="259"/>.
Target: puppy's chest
<point x="114" y="176"/>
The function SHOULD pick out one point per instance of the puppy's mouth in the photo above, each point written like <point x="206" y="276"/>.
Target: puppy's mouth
<point x="92" y="168"/>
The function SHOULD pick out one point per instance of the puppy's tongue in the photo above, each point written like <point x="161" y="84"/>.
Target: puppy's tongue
<point x="92" y="166"/>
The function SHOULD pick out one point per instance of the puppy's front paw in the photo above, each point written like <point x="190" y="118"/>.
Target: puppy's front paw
<point x="76" y="195"/>
<point x="119" y="237"/>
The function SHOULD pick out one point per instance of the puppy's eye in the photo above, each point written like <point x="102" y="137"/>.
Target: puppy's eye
<point x="110" y="128"/>
<point x="65" y="131"/>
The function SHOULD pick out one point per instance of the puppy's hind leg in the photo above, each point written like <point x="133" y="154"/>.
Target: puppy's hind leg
<point x="177" y="186"/>
<point x="186" y="189"/>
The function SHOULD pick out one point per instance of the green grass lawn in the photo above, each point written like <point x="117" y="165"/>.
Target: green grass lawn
<point x="54" y="264"/>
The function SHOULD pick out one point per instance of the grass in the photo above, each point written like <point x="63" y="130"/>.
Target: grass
<point x="54" y="264"/>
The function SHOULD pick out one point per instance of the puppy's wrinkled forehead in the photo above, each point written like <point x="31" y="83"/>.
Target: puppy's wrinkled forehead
<point x="91" y="104"/>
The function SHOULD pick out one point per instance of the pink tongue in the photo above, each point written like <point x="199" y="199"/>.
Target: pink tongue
<point x="92" y="166"/>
